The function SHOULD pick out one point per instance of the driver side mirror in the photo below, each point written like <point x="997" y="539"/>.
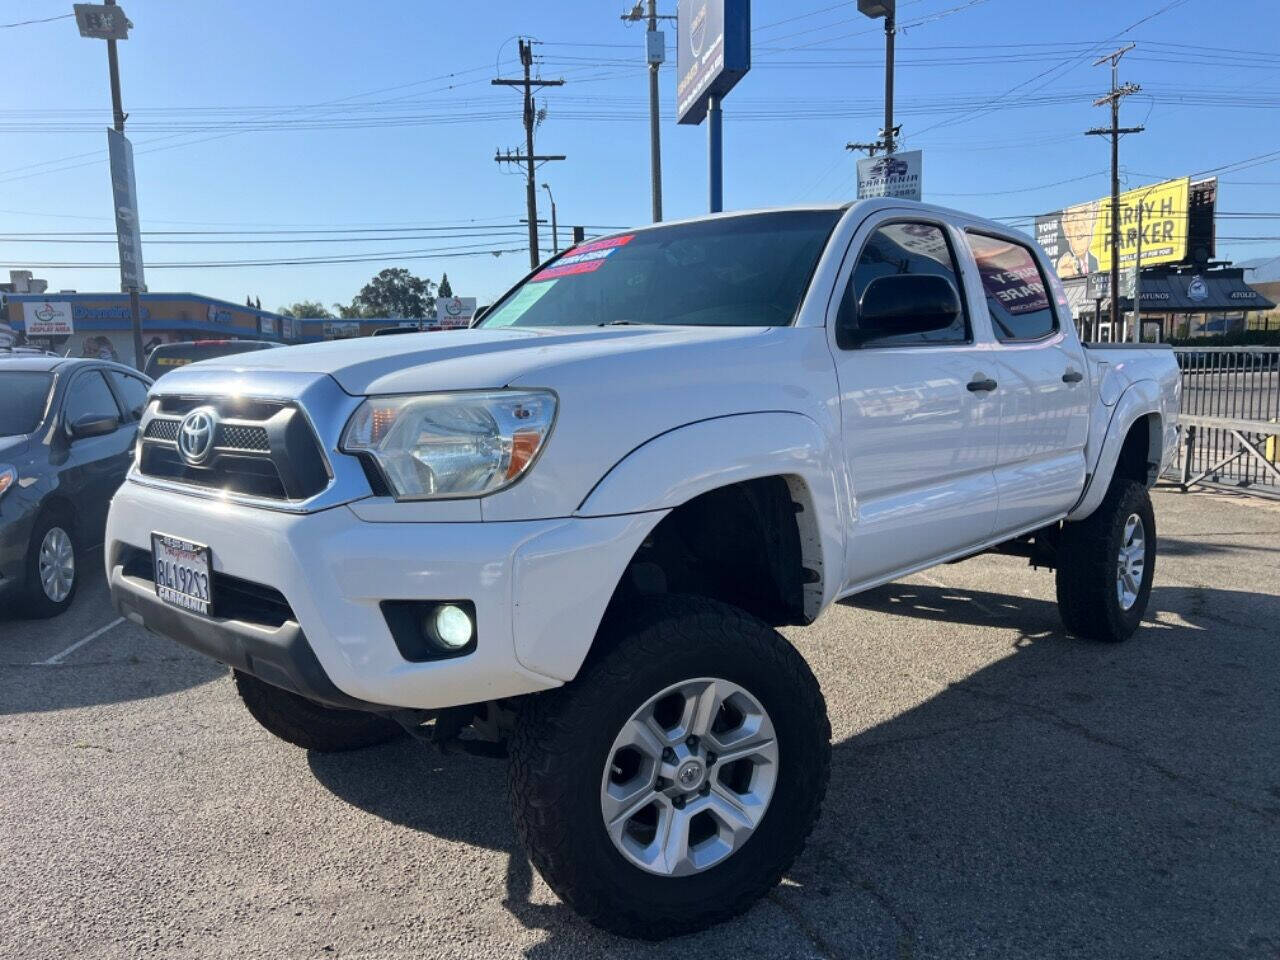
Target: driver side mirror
<point x="94" y="425"/>
<point x="898" y="304"/>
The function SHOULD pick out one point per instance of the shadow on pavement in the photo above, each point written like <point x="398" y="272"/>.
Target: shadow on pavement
<point x="1070" y="798"/>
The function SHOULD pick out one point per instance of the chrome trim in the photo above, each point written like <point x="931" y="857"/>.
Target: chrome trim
<point x="324" y="404"/>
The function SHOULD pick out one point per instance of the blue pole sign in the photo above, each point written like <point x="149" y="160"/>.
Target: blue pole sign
<point x="713" y="41"/>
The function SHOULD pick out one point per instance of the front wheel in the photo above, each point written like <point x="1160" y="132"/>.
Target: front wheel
<point x="311" y="725"/>
<point x="676" y="779"/>
<point x="51" y="565"/>
<point x="1106" y="563"/>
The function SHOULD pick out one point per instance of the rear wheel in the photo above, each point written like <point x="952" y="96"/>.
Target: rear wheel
<point x="51" y="576"/>
<point x="676" y="779"/>
<point x="1106" y="563"/>
<point x="308" y="724"/>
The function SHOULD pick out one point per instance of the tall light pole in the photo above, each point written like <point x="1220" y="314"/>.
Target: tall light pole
<point x="555" y="232"/>
<point x="889" y="135"/>
<point x="108" y="22"/>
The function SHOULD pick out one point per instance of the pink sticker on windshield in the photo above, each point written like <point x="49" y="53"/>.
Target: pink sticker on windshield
<point x="584" y="259"/>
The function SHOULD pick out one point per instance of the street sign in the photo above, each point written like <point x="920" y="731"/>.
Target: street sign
<point x="656" y="46"/>
<point x="97" y="21"/>
<point x="897" y="175"/>
<point x="125" y="193"/>
<point x="713" y="52"/>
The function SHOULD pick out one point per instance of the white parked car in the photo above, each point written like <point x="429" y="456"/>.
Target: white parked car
<point x="574" y="528"/>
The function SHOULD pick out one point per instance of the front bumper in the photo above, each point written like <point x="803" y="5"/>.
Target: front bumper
<point x="540" y="589"/>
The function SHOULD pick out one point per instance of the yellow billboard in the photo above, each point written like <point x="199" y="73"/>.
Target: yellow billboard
<point x="1078" y="239"/>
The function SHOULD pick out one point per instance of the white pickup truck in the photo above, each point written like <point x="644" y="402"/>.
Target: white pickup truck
<point x="570" y="532"/>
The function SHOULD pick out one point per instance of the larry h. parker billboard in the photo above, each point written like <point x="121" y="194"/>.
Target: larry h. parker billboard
<point x="1078" y="239"/>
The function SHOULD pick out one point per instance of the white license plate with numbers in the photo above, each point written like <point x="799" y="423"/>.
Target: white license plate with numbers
<point x="182" y="570"/>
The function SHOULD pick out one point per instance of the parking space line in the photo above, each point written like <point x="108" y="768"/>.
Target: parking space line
<point x="57" y="658"/>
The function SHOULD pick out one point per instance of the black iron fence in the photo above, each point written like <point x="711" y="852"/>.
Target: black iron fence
<point x="1230" y="417"/>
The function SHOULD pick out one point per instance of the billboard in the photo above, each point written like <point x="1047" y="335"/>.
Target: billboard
<point x="1077" y="240"/>
<point x="48" y="318"/>
<point x="713" y="52"/>
<point x="455" y="312"/>
<point x="898" y="175"/>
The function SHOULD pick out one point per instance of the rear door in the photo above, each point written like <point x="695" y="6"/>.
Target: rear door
<point x="1044" y="391"/>
<point x="920" y="438"/>
<point x="93" y="467"/>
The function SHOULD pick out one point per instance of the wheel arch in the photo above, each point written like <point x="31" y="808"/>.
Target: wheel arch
<point x="1133" y="448"/>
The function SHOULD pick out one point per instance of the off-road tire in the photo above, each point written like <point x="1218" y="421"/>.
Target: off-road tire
<point x="309" y="725"/>
<point x="563" y="738"/>
<point x="1086" y="573"/>
<point x="34" y="602"/>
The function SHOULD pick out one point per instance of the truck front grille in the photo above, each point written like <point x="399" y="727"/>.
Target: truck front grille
<point x="260" y="448"/>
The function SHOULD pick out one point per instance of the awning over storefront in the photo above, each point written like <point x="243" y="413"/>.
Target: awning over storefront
<point x="1199" y="293"/>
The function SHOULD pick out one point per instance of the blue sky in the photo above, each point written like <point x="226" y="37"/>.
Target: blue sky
<point x="342" y="117"/>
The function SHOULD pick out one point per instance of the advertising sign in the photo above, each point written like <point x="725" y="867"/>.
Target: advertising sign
<point x="455" y="312"/>
<point x="48" y="318"/>
<point x="267" y="326"/>
<point x="713" y="52"/>
<point x="125" y="192"/>
<point x="341" y="329"/>
<point x="898" y="175"/>
<point x="1078" y="239"/>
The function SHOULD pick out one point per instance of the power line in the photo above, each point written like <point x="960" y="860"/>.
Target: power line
<point x="27" y="23"/>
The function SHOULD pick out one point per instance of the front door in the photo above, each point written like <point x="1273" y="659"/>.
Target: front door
<point x="920" y="432"/>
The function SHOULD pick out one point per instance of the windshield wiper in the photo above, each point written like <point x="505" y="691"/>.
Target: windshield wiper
<point x="622" y="323"/>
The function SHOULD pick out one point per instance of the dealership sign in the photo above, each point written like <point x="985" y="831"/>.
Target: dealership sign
<point x="455" y="312"/>
<point x="48" y="318"/>
<point x="1078" y="239"/>
<point x="897" y="175"/>
<point x="713" y="52"/>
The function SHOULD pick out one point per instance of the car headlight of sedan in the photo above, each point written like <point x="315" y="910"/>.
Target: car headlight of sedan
<point x="463" y="444"/>
<point x="8" y="477"/>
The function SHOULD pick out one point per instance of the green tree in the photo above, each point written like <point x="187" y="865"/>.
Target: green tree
<point x="445" y="289"/>
<point x="395" y="292"/>
<point x="307" y="308"/>
<point x="348" y="311"/>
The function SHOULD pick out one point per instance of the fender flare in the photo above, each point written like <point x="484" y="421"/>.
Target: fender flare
<point x="1140" y="399"/>
<point x="681" y="464"/>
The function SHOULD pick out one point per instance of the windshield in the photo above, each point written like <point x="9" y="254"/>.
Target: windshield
<point x="25" y="395"/>
<point x="748" y="271"/>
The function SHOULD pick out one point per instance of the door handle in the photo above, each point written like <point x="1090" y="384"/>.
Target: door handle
<point x="981" y="386"/>
<point x="1072" y="376"/>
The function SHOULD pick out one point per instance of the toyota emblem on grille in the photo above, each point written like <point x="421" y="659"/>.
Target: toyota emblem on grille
<point x="196" y="434"/>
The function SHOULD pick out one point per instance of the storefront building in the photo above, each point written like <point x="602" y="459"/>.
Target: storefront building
<point x="99" y="325"/>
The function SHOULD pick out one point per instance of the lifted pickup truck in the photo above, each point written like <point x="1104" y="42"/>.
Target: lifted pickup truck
<point x="571" y="532"/>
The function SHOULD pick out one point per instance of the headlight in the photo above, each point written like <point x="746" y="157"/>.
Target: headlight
<point x="451" y="444"/>
<point x="8" y="477"/>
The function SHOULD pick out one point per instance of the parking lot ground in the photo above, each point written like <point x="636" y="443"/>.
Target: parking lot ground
<point x="998" y="790"/>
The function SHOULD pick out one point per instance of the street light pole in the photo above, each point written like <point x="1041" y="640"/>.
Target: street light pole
<point x="890" y="28"/>
<point x="555" y="232"/>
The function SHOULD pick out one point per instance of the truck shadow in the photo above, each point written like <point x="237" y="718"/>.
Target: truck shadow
<point x="1067" y="798"/>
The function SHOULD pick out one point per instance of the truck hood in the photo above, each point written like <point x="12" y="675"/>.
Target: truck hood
<point x="461" y="359"/>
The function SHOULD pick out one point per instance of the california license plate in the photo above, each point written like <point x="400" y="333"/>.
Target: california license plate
<point x="182" y="572"/>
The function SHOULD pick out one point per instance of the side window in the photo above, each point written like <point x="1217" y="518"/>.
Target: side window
<point x="898" y="248"/>
<point x="89" y="395"/>
<point x="134" y="392"/>
<point x="1017" y="297"/>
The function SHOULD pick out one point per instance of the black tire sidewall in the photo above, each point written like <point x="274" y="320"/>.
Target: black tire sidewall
<point x="1131" y="499"/>
<point x="600" y="703"/>
<point x="38" y="603"/>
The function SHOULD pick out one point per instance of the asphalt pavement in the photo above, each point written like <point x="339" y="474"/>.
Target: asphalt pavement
<point x="998" y="790"/>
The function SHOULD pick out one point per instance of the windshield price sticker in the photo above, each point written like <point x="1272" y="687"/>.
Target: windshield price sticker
<point x="584" y="259"/>
<point x="519" y="305"/>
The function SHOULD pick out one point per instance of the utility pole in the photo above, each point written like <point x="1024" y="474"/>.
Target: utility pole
<point x="555" y="229"/>
<point x="528" y="158"/>
<point x="1137" y="278"/>
<point x="1117" y="93"/>
<point x="889" y="135"/>
<point x="655" y="54"/>
<point x="108" y="22"/>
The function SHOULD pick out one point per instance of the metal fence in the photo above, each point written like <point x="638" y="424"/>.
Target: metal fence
<point x="1238" y="384"/>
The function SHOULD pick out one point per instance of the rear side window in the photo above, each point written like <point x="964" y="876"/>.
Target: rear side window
<point x="134" y="392"/>
<point x="1017" y="296"/>
<point x="904" y="248"/>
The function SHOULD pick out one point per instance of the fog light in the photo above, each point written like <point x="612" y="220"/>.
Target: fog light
<point x="452" y="626"/>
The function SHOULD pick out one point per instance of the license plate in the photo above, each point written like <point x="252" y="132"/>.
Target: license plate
<point x="182" y="572"/>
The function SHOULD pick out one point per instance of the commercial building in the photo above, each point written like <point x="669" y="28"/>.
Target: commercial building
<point x="99" y="324"/>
